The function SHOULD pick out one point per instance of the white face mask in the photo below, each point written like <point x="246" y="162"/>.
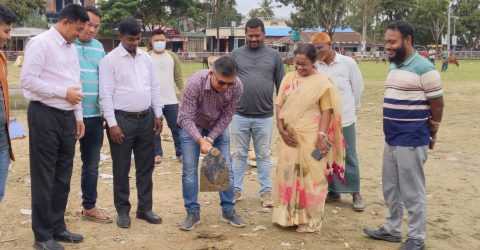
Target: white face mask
<point x="159" y="46"/>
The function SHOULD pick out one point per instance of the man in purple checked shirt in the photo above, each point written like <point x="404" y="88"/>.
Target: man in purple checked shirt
<point x="206" y="110"/>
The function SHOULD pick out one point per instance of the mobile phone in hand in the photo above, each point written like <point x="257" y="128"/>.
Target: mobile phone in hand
<point x="317" y="154"/>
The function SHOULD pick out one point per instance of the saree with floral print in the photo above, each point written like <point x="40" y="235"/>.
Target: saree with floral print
<point x="300" y="181"/>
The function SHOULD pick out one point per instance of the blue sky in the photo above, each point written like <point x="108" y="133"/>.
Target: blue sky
<point x="244" y="6"/>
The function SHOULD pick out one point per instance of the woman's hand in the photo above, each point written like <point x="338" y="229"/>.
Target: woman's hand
<point x="287" y="137"/>
<point x="322" y="143"/>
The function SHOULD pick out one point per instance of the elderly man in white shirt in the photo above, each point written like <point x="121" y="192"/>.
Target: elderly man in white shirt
<point x="345" y="74"/>
<point x="129" y="89"/>
<point x="50" y="79"/>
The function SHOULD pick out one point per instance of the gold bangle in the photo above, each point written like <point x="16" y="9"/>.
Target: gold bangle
<point x="322" y="133"/>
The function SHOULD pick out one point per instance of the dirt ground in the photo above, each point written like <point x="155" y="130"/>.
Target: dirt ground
<point x="453" y="188"/>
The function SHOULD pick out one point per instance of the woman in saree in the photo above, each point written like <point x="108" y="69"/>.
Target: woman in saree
<point x="308" y="118"/>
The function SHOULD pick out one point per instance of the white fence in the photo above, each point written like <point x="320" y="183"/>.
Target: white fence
<point x="363" y="56"/>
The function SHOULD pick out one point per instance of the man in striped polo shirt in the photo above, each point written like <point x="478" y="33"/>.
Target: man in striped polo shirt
<point x="412" y="112"/>
<point x="90" y="52"/>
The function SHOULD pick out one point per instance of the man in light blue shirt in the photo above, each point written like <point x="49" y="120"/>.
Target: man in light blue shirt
<point x="90" y="52"/>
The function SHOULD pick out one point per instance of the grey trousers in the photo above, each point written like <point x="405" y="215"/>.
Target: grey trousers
<point x="404" y="186"/>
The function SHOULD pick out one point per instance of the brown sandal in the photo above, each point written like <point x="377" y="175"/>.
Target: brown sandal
<point x="96" y="215"/>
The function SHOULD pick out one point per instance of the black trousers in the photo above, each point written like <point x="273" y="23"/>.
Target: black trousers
<point x="138" y="131"/>
<point x="52" y="148"/>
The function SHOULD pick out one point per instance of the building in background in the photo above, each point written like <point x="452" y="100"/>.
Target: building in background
<point x="20" y="37"/>
<point x="55" y="6"/>
<point x="280" y="38"/>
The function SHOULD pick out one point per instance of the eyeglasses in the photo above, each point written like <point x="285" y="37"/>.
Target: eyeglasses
<point x="229" y="84"/>
<point x="223" y="83"/>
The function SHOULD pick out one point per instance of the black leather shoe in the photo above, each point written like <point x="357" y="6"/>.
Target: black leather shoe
<point x="382" y="234"/>
<point x="47" y="245"/>
<point x="123" y="221"/>
<point x="150" y="217"/>
<point x="68" y="237"/>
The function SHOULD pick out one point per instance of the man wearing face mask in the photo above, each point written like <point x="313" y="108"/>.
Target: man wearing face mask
<point x="51" y="81"/>
<point x="129" y="90"/>
<point x="412" y="112"/>
<point x="167" y="67"/>
<point x="346" y="76"/>
<point x="90" y="52"/>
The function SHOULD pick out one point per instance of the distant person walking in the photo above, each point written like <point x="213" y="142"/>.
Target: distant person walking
<point x="260" y="69"/>
<point x="412" y="112"/>
<point x="444" y="60"/>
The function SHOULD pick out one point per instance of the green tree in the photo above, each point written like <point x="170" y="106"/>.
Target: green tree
<point x="222" y="13"/>
<point x="430" y="18"/>
<point x="265" y="10"/>
<point x="468" y="24"/>
<point x="25" y="9"/>
<point x="150" y="12"/>
<point x="328" y="14"/>
<point x="115" y="11"/>
<point x="361" y="17"/>
<point x="396" y="10"/>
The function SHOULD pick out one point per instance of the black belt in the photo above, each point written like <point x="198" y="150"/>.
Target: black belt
<point x="57" y="110"/>
<point x="135" y="115"/>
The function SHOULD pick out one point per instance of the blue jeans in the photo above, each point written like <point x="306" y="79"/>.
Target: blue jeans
<point x="90" y="146"/>
<point x="191" y="154"/>
<point x="170" y="112"/>
<point x="4" y="163"/>
<point x="260" y="130"/>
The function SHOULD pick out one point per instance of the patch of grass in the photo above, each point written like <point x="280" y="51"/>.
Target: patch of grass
<point x="371" y="71"/>
<point x="468" y="71"/>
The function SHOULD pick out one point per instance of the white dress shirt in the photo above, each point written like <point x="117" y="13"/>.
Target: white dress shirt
<point x="128" y="83"/>
<point x="346" y="76"/>
<point x="164" y="68"/>
<point x="50" y="67"/>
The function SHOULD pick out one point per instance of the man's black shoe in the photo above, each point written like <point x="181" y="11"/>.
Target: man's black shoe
<point x="382" y="234"/>
<point x="123" y="221"/>
<point x="68" y="237"/>
<point x="47" y="245"/>
<point x="150" y="217"/>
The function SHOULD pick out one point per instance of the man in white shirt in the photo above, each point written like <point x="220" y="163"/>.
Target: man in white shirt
<point x="129" y="89"/>
<point x="167" y="67"/>
<point x="50" y="79"/>
<point x="346" y="76"/>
